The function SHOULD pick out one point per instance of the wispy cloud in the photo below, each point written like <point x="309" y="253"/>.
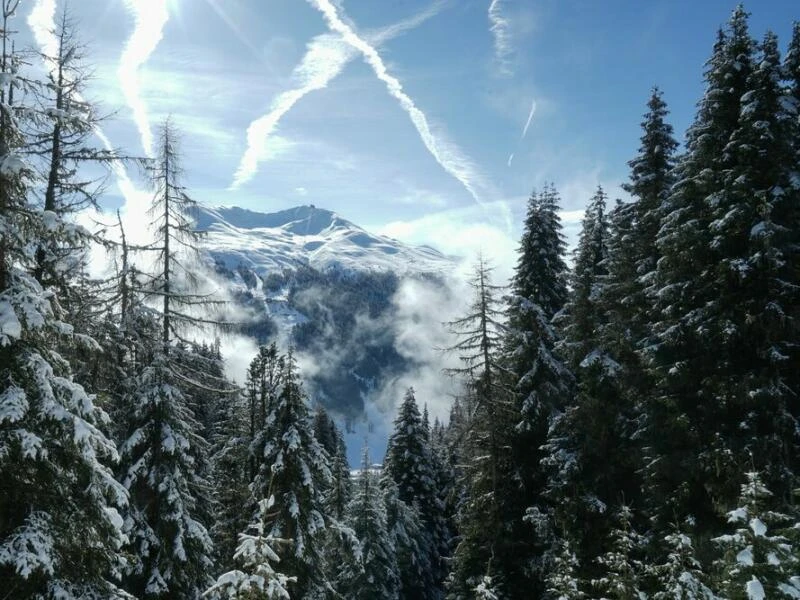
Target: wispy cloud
<point x="325" y="58"/>
<point x="447" y="154"/>
<point x="510" y="158"/>
<point x="150" y="17"/>
<point x="530" y="118"/>
<point x="499" y="25"/>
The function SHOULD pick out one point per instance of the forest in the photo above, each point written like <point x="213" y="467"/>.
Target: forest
<point x="626" y="425"/>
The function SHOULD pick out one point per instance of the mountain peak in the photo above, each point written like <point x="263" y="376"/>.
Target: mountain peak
<point x="308" y="235"/>
<point x="300" y="220"/>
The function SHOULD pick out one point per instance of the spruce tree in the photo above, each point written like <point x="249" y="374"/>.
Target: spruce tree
<point x="404" y="529"/>
<point x="379" y="578"/>
<point x="758" y="562"/>
<point x="164" y="460"/>
<point x="409" y="464"/>
<point x="622" y="578"/>
<point x="293" y="468"/>
<point x="681" y="576"/>
<point x="542" y="383"/>
<point x="257" y="579"/>
<point x="60" y="529"/>
<point x="563" y="582"/>
<point x="693" y="357"/>
<point x="591" y="457"/>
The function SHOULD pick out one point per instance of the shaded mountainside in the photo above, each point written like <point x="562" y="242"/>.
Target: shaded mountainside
<point x="324" y="285"/>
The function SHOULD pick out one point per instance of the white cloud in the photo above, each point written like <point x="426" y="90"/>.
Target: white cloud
<point x="463" y="233"/>
<point x="447" y="154"/>
<point x="150" y="17"/>
<point x="325" y="58"/>
<point x="499" y="26"/>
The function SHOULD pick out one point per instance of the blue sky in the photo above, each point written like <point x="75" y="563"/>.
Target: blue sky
<point x="401" y="115"/>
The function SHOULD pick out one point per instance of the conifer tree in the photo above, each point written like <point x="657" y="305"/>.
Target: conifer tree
<point x="294" y="469"/>
<point x="590" y="455"/>
<point x="719" y="373"/>
<point x="542" y="383"/>
<point x="404" y="529"/>
<point x="231" y="481"/>
<point x="486" y="453"/>
<point x="60" y="529"/>
<point x="258" y="579"/>
<point x="409" y="464"/>
<point x="622" y="569"/>
<point x="758" y="563"/>
<point x="562" y="581"/>
<point x="379" y="578"/>
<point x="164" y="460"/>
<point x="681" y="576"/>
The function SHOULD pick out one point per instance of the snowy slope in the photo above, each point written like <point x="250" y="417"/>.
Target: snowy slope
<point x="266" y="243"/>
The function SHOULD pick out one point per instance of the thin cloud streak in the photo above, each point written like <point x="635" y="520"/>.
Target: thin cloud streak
<point x="449" y="156"/>
<point x="530" y="118"/>
<point x="150" y="17"/>
<point x="510" y="158"/>
<point x="325" y="58"/>
<point x="499" y="26"/>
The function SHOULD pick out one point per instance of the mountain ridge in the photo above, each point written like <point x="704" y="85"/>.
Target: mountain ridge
<point x="308" y="236"/>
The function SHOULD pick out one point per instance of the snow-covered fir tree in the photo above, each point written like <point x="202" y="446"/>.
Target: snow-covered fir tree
<point x="623" y="570"/>
<point x="60" y="527"/>
<point x="759" y="562"/>
<point x="541" y="382"/>
<point x="721" y="382"/>
<point x="681" y="576"/>
<point x="409" y="463"/>
<point x="562" y="581"/>
<point x="257" y="579"/>
<point x="163" y="459"/>
<point x="379" y="577"/>
<point x="293" y="467"/>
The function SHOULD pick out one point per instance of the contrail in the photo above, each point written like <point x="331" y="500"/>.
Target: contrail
<point x="510" y="158"/>
<point x="445" y="153"/>
<point x="502" y="39"/>
<point x="325" y="58"/>
<point x="530" y="118"/>
<point x="150" y="18"/>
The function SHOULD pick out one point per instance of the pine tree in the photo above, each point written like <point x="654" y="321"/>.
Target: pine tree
<point x="59" y="522"/>
<point x="542" y="382"/>
<point x="757" y="563"/>
<point x="256" y="554"/>
<point x="366" y="515"/>
<point x="294" y="469"/>
<point x="409" y="464"/>
<point x="695" y="349"/>
<point x="681" y="577"/>
<point x="164" y="460"/>
<point x="482" y="524"/>
<point x="623" y="571"/>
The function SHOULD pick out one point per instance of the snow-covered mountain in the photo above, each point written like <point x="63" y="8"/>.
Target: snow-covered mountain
<point x="308" y="236"/>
